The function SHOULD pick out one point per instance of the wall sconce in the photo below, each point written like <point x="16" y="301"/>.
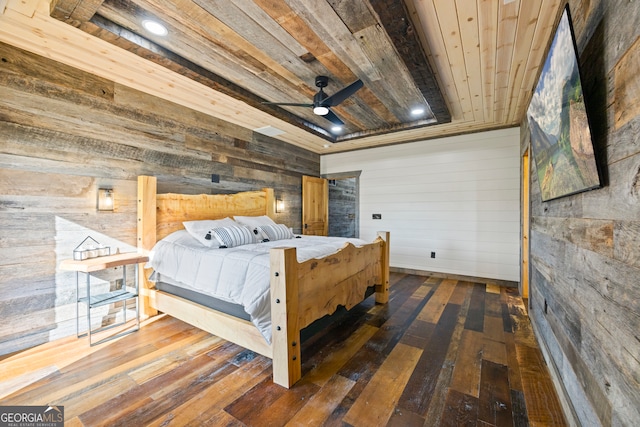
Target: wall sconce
<point x="105" y="199"/>
<point x="279" y="205"/>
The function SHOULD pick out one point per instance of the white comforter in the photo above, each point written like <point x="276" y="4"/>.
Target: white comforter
<point x="239" y="275"/>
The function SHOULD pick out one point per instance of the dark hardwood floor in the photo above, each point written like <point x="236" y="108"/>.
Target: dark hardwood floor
<point x="441" y="352"/>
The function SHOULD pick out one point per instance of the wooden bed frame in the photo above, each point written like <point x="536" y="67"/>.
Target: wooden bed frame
<point x="300" y="292"/>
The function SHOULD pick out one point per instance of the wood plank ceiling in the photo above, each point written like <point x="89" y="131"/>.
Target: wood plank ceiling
<point x="471" y="64"/>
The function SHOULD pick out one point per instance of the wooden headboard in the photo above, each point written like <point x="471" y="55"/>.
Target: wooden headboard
<point x="161" y="214"/>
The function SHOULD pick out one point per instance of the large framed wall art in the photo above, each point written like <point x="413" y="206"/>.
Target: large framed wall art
<point x="560" y="134"/>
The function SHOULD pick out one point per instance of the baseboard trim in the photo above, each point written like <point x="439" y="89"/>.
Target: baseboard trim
<point x="499" y="282"/>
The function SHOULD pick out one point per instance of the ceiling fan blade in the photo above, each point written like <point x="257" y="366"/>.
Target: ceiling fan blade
<point x="342" y="94"/>
<point x="290" y="104"/>
<point x="331" y="116"/>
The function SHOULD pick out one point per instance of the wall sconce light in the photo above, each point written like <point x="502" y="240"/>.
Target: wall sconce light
<point x="105" y="199"/>
<point x="279" y="205"/>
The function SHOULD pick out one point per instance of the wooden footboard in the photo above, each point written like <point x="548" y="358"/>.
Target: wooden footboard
<point x="304" y="292"/>
<point x="300" y="292"/>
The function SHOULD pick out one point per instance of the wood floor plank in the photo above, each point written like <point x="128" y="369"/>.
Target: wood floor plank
<point x="475" y="318"/>
<point x="506" y="316"/>
<point x="493" y="288"/>
<point x="166" y="392"/>
<point x="437" y="404"/>
<point x="515" y="381"/>
<point x="466" y="374"/>
<point x="405" y="419"/>
<point x="493" y="328"/>
<point x="208" y="402"/>
<point x="418" y="334"/>
<point x="420" y="388"/>
<point x="519" y="409"/>
<point x="80" y="376"/>
<point x="80" y="403"/>
<point x="368" y="359"/>
<point x="460" y="410"/>
<point x="339" y="355"/>
<point x="493" y="304"/>
<point x="434" y="308"/>
<point x="72" y="422"/>
<point x="522" y="330"/>
<point x="460" y="293"/>
<point x="320" y="406"/>
<point x="543" y="406"/>
<point x="20" y="381"/>
<point x="220" y="418"/>
<point x="380" y="396"/>
<point x="494" y="351"/>
<point x="280" y="411"/>
<point x="494" y="402"/>
<point x="162" y="366"/>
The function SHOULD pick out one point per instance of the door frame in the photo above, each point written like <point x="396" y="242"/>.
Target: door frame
<point x="525" y="241"/>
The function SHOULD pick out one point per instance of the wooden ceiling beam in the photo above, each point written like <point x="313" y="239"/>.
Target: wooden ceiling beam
<point x="397" y="23"/>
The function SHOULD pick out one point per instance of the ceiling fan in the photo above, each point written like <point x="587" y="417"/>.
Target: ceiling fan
<point x="322" y="102"/>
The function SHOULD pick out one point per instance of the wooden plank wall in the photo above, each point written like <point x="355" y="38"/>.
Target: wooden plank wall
<point x="65" y="133"/>
<point x="343" y="207"/>
<point x="585" y="249"/>
<point x="455" y="196"/>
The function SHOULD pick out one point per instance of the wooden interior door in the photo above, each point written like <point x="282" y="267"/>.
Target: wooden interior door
<point x="315" y="206"/>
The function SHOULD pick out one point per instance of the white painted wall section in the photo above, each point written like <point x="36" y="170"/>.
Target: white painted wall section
<point x="458" y="197"/>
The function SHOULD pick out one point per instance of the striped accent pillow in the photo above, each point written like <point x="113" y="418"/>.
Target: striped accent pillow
<point x="276" y="232"/>
<point x="232" y="235"/>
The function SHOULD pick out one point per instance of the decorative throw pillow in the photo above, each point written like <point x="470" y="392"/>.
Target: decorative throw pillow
<point x="277" y="232"/>
<point x="234" y="235"/>
<point x="200" y="230"/>
<point x="258" y="233"/>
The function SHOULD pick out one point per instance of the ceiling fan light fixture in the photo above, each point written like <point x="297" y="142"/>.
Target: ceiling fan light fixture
<point x="155" y="27"/>
<point x="320" y="110"/>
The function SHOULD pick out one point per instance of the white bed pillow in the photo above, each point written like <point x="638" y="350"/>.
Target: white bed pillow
<point x="233" y="235"/>
<point x="254" y="221"/>
<point x="200" y="230"/>
<point x="276" y="232"/>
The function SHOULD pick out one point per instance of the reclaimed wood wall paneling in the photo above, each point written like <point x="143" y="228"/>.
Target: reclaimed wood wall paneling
<point x="65" y="133"/>
<point x="585" y="298"/>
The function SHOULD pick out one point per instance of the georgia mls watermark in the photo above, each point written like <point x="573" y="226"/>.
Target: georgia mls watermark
<point x="31" y="416"/>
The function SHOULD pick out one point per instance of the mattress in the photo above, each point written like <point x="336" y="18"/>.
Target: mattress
<point x="238" y="275"/>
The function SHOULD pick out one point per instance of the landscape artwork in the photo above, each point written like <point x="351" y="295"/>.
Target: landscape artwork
<point x="560" y="135"/>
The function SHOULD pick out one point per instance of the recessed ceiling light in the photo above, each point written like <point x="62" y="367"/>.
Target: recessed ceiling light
<point x="336" y="128"/>
<point x="155" y="27"/>
<point x="417" y="111"/>
<point x="327" y="145"/>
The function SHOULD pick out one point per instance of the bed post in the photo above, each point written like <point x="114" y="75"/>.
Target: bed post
<point x="285" y="340"/>
<point x="270" y="200"/>
<point x="146" y="237"/>
<point x="382" y="290"/>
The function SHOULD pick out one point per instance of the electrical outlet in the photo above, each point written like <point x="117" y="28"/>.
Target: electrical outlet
<point x="433" y="254"/>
